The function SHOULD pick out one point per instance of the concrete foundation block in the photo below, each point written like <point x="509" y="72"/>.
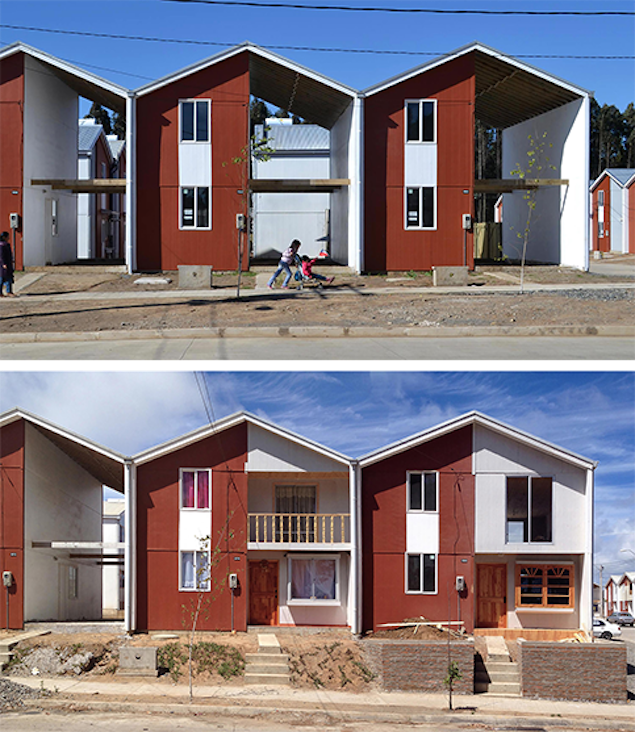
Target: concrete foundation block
<point x="195" y="276"/>
<point x="449" y="276"/>
<point x="137" y="661"/>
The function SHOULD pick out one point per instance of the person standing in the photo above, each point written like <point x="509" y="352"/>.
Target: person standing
<point x="286" y="260"/>
<point x="6" y="265"/>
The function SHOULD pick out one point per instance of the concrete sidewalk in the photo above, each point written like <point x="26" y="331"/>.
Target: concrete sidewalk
<point x="162" y="696"/>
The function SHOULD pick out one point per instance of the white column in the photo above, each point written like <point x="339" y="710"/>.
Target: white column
<point x="131" y="184"/>
<point x="356" y="189"/>
<point x="586" y="585"/>
<point x="130" y="549"/>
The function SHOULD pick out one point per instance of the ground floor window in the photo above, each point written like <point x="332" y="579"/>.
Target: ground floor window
<point x="545" y="585"/>
<point x="420" y="208"/>
<point x="195" y="571"/>
<point x="195" y="206"/>
<point x="421" y="571"/>
<point x="313" y="579"/>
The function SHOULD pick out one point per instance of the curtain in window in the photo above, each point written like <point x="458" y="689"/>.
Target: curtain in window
<point x="301" y="581"/>
<point x="187" y="496"/>
<point x="295" y="499"/>
<point x="324" y="579"/>
<point x="203" y="489"/>
<point x="187" y="570"/>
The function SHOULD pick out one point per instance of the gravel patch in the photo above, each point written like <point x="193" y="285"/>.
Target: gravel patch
<point x="12" y="694"/>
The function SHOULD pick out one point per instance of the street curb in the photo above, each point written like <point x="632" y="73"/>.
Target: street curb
<point x="334" y="712"/>
<point x="328" y="331"/>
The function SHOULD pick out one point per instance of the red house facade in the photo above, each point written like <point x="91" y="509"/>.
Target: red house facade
<point x="612" y="211"/>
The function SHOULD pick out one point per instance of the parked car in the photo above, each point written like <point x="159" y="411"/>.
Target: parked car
<point x="621" y="618"/>
<point x="603" y="629"/>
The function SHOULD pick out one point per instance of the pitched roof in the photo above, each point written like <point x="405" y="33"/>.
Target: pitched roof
<point x="622" y="176"/>
<point x="88" y="134"/>
<point x="102" y="463"/>
<point x="476" y="418"/>
<point x="84" y="83"/>
<point x="508" y="91"/>
<point x="232" y="421"/>
<point x="284" y="138"/>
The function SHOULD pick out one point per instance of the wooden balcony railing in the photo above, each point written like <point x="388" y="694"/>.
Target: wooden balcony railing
<point x="299" y="528"/>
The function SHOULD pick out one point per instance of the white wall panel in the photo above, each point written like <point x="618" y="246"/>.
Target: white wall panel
<point x="271" y="453"/>
<point x="422" y="533"/>
<point x="420" y="164"/>
<point x="194" y="526"/>
<point x="195" y="164"/>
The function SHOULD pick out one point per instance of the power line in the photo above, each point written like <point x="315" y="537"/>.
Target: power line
<point x="226" y="44"/>
<point x="428" y="11"/>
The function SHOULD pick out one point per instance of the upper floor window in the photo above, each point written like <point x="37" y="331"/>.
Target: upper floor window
<point x="422" y="492"/>
<point x="195" y="120"/>
<point x="600" y="198"/>
<point x="421" y="120"/>
<point x="195" y="486"/>
<point x="529" y="510"/>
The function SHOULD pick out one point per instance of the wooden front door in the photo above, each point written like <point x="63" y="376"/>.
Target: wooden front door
<point x="491" y="601"/>
<point x="263" y="592"/>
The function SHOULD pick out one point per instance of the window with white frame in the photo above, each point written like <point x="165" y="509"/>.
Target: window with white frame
<point x="195" y="207"/>
<point x="195" y="571"/>
<point x="313" y="579"/>
<point x="420" y="207"/>
<point x="195" y="120"/>
<point x="421" y="121"/>
<point x="423" y="492"/>
<point x="600" y="214"/>
<point x="72" y="583"/>
<point x="529" y="510"/>
<point x="195" y="488"/>
<point x="421" y="573"/>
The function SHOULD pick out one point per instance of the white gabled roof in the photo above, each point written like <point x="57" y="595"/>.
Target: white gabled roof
<point x="83" y="82"/>
<point x="623" y="177"/>
<point x="101" y="462"/>
<point x="508" y="91"/>
<point x="476" y="418"/>
<point x="278" y="80"/>
<point x="227" y="423"/>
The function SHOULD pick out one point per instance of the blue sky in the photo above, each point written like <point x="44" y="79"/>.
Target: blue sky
<point x="612" y="81"/>
<point x="590" y="413"/>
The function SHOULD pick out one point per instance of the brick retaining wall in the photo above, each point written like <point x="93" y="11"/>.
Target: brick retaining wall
<point x="420" y="665"/>
<point x="573" y="671"/>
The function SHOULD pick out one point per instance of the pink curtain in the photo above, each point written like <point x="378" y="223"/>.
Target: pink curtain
<point x="187" y="495"/>
<point x="203" y="489"/>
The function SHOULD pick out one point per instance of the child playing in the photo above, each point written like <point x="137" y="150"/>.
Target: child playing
<point x="286" y="260"/>
<point x="307" y="271"/>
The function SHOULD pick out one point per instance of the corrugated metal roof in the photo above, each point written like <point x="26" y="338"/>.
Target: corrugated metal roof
<point x="88" y="135"/>
<point x="116" y="146"/>
<point x="621" y="175"/>
<point x="296" y="137"/>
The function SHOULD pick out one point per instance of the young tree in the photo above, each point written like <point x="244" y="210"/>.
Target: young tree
<point x="535" y="164"/>
<point x="119" y="125"/>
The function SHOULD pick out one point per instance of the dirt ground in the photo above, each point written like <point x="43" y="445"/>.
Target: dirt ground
<point x="328" y="660"/>
<point x="347" y="303"/>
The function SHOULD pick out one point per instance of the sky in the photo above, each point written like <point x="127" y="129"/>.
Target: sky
<point x="355" y="412"/>
<point x="134" y="63"/>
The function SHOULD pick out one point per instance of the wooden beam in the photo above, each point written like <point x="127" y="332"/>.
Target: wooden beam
<point x="297" y="185"/>
<point x="88" y="185"/>
<point x="113" y="545"/>
<point x="508" y="185"/>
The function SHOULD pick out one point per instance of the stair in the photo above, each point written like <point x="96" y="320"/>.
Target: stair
<point x="269" y="666"/>
<point x="6" y="645"/>
<point x="498" y="675"/>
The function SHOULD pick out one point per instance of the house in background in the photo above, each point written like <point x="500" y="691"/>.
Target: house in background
<point x="113" y="533"/>
<point x="618" y="593"/>
<point x="100" y="220"/>
<point x="419" y="179"/>
<point x="299" y="152"/>
<point x="613" y="211"/>
<point x="39" y="109"/>
<point x="477" y="521"/>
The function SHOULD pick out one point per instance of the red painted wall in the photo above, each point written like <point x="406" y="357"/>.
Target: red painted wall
<point x="603" y="244"/>
<point x="384" y="533"/>
<point x="12" y="520"/>
<point x="160" y="604"/>
<point x="161" y="245"/>
<point x="11" y="143"/>
<point x="388" y="246"/>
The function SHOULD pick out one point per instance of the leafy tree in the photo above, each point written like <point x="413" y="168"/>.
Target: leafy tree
<point x="258" y="113"/>
<point x="119" y="125"/>
<point x="101" y="116"/>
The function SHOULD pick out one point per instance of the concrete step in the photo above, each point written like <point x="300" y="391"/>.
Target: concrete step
<point x="267" y="679"/>
<point x="270" y="658"/>
<point x="267" y="668"/>
<point x="490" y="678"/>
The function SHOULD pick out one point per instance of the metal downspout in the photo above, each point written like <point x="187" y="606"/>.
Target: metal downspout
<point x="131" y="183"/>
<point x="130" y="553"/>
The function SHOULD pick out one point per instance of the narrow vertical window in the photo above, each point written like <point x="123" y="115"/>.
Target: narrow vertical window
<point x="202" y="489"/>
<point x="414" y="573"/>
<point x="427" y="206"/>
<point x="187" y="207"/>
<point x="413" y="220"/>
<point x="427" y="116"/>
<point x="202" y="121"/>
<point x="412" y="122"/>
<point x="430" y="494"/>
<point x="429" y="573"/>
<point x="187" y="121"/>
<point x="541" y="509"/>
<point x="202" y="208"/>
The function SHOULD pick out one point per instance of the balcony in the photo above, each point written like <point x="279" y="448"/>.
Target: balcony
<point x="292" y="530"/>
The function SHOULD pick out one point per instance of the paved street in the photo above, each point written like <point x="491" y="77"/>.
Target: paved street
<point x="320" y="349"/>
